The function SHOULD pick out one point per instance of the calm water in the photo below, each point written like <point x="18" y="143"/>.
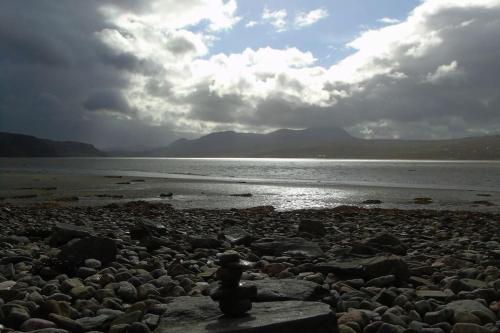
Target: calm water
<point x="298" y="183"/>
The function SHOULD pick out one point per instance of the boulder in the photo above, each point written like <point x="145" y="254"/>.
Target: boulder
<point x="64" y="233"/>
<point x="294" y="247"/>
<point x="147" y="227"/>
<point x="383" y="242"/>
<point x="237" y="236"/>
<point x="314" y="227"/>
<point x="474" y="307"/>
<point x="201" y="314"/>
<point x="367" y="268"/>
<point x="74" y="253"/>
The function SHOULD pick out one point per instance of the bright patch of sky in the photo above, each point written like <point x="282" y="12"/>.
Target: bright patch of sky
<point x="325" y="38"/>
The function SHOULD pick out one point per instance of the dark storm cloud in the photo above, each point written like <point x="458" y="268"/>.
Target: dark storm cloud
<point x="53" y="69"/>
<point x="107" y="100"/>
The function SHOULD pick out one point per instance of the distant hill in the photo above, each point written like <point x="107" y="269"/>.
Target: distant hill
<point x="328" y="143"/>
<point x="19" y="145"/>
<point x="251" y="144"/>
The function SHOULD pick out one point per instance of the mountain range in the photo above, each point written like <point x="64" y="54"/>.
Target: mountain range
<point x="307" y="143"/>
<point x="329" y="143"/>
<point x="20" y="145"/>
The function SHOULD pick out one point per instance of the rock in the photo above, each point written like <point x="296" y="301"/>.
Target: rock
<point x="474" y="307"/>
<point x="469" y="328"/>
<point x="367" y="268"/>
<point x="382" y="242"/>
<point x="138" y="328"/>
<point x="77" y="251"/>
<point x="314" y="227"/>
<point x="92" y="323"/>
<point x="204" y="243"/>
<point x="346" y="329"/>
<point x="389" y="328"/>
<point x="147" y="227"/>
<point x="17" y="316"/>
<point x="435" y="317"/>
<point x="33" y="324"/>
<point x="237" y="236"/>
<point x="127" y="292"/>
<point x="393" y="319"/>
<point x="288" y="289"/>
<point x="64" y="232"/>
<point x="381" y="281"/>
<point x="294" y="247"/>
<point x="127" y="318"/>
<point x="436" y="294"/>
<point x="355" y="316"/>
<point x="66" y="323"/>
<point x="200" y="314"/>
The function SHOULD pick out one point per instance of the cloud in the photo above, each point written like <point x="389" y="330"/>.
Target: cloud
<point x="309" y="18"/>
<point x="276" y="18"/>
<point x="388" y="20"/>
<point x="251" y="24"/>
<point x="444" y="73"/>
<point x="141" y="72"/>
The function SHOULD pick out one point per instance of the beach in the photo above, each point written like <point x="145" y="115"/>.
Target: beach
<point x="185" y="191"/>
<point x="146" y="266"/>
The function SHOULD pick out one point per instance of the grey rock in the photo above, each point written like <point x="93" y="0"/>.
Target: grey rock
<point x="92" y="323"/>
<point x="64" y="232"/>
<point x="435" y="317"/>
<point x="288" y="289"/>
<point x="201" y="314"/>
<point x="237" y="236"/>
<point x="474" y="307"/>
<point x="294" y="247"/>
<point x="314" y="227"/>
<point x="469" y="328"/>
<point x="367" y="268"/>
<point x="77" y="251"/>
<point x="204" y="243"/>
<point x="33" y="324"/>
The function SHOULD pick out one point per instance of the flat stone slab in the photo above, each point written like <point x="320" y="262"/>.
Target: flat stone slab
<point x="202" y="315"/>
<point x="294" y="247"/>
<point x="288" y="289"/>
<point x="368" y="268"/>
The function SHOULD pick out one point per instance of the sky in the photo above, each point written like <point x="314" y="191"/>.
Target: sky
<point x="134" y="74"/>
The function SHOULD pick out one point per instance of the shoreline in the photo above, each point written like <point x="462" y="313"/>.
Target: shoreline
<point x="403" y="270"/>
<point x="73" y="189"/>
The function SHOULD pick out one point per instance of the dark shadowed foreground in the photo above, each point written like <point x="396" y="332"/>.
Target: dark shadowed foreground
<point x="142" y="267"/>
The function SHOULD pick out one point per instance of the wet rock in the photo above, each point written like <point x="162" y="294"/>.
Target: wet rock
<point x="237" y="236"/>
<point x="314" y="227"/>
<point x="200" y="314"/>
<point x="367" y="268"/>
<point x="288" y="289"/>
<point x="294" y="247"/>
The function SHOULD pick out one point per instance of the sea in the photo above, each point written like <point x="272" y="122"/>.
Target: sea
<point x="298" y="183"/>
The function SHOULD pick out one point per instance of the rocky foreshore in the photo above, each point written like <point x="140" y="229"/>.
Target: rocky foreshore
<point x="143" y="267"/>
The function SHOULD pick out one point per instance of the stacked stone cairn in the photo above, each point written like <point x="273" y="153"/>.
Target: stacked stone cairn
<point x="234" y="298"/>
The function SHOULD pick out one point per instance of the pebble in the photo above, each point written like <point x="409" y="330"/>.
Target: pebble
<point x="446" y="279"/>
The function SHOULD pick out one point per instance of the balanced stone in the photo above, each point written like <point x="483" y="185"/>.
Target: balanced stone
<point x="234" y="299"/>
